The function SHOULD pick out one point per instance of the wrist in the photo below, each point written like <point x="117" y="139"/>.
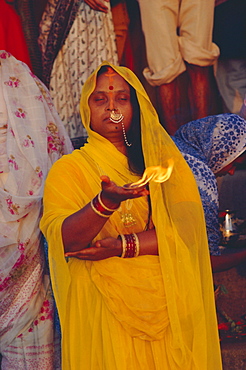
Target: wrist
<point x="119" y="247"/>
<point x="109" y="204"/>
<point x="129" y="245"/>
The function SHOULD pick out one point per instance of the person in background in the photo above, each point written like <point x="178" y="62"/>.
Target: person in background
<point x="180" y="55"/>
<point x="214" y="146"/>
<point x="229" y="34"/>
<point x="74" y="37"/>
<point x="12" y="36"/>
<point x="29" y="13"/>
<point x="32" y="138"/>
<point x="242" y="112"/>
<point x="130" y="265"/>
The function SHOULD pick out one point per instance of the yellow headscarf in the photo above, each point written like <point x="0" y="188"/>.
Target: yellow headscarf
<point x="179" y="221"/>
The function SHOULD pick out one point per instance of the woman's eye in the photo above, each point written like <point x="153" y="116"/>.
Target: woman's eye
<point x="123" y="98"/>
<point x="100" y="99"/>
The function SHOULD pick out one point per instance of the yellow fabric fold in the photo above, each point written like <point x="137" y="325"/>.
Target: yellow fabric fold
<point x="150" y="312"/>
<point x="140" y="303"/>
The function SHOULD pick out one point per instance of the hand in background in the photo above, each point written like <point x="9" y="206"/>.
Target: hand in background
<point x="98" y="5"/>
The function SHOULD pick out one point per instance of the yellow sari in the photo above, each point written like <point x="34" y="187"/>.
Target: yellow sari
<point x="149" y="312"/>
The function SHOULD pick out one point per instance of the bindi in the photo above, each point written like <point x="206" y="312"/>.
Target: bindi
<point x="110" y="74"/>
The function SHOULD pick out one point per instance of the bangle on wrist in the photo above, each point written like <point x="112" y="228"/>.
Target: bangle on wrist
<point x="137" y="246"/>
<point x="130" y="245"/>
<point x="103" y="205"/>
<point x="99" y="208"/>
<point x="123" y="243"/>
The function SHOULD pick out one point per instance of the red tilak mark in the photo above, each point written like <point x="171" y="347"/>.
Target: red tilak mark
<point x="110" y="74"/>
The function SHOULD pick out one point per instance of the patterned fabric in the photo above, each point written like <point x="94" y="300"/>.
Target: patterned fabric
<point x="208" y="145"/>
<point x="91" y="40"/>
<point x="32" y="137"/>
<point x="55" y="25"/>
<point x="38" y="337"/>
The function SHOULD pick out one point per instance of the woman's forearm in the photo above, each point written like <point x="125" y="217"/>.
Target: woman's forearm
<point x="79" y="229"/>
<point x="227" y="261"/>
<point x="148" y="242"/>
<point x="111" y="247"/>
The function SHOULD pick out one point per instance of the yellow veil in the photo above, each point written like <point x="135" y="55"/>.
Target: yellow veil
<point x="183" y="249"/>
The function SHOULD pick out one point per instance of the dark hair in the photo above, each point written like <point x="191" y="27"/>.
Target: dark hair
<point x="134" y="152"/>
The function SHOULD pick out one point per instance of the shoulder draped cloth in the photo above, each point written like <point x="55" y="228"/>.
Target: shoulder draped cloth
<point x="32" y="138"/>
<point x="149" y="312"/>
<point x="208" y="145"/>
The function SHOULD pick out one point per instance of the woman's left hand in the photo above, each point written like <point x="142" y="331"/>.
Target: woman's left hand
<point x="102" y="249"/>
<point x="114" y="195"/>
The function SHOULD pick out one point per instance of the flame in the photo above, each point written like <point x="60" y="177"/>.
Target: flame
<point x="153" y="173"/>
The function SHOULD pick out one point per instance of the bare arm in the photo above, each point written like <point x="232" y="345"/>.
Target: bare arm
<point x="111" y="247"/>
<point x="227" y="261"/>
<point x="80" y="228"/>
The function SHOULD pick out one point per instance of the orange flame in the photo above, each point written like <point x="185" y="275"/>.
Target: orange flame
<point x="153" y="173"/>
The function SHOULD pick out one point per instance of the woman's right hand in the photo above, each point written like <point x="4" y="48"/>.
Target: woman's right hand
<point x="112" y="195"/>
<point x="98" y="5"/>
<point x="102" y="249"/>
<point x="112" y="247"/>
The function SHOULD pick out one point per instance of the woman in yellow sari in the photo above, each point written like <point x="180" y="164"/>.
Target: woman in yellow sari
<point x="136" y="291"/>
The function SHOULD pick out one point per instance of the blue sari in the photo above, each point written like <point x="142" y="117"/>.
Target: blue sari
<point x="208" y="145"/>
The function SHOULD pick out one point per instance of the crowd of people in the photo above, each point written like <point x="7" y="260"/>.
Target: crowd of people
<point x="129" y="266"/>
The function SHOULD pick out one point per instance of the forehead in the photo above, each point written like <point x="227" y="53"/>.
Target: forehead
<point x="111" y="81"/>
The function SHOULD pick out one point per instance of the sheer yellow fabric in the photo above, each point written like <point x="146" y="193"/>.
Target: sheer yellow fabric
<point x="149" y="312"/>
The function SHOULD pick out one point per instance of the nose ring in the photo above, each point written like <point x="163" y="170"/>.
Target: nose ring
<point x="116" y="117"/>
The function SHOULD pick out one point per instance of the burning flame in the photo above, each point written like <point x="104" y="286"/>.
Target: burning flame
<point x="153" y="173"/>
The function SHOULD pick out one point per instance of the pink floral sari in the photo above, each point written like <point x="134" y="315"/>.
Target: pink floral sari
<point x="32" y="138"/>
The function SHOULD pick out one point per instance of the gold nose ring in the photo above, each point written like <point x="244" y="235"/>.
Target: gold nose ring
<point x="116" y="117"/>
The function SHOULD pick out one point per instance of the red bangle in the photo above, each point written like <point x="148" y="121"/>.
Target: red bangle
<point x="99" y="209"/>
<point x="130" y="245"/>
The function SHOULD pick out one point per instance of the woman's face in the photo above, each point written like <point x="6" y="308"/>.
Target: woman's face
<point x="112" y="92"/>
<point x="231" y="167"/>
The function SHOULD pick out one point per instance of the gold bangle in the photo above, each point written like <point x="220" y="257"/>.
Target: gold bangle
<point x="103" y="205"/>
<point x="137" y="246"/>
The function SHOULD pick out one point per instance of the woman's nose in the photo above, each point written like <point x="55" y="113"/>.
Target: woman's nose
<point x="111" y="104"/>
